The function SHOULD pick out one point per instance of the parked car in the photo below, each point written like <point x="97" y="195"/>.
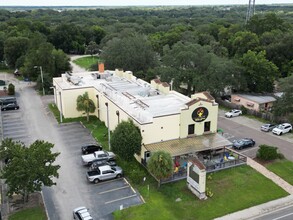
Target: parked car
<point x="11" y="106"/>
<point x="82" y="213"/>
<point x="97" y="155"/>
<point x="105" y="172"/>
<point x="90" y="148"/>
<point x="282" y="129"/>
<point x="233" y="113"/>
<point x="99" y="163"/>
<point x="268" y="127"/>
<point x="243" y="143"/>
<point x="7" y="100"/>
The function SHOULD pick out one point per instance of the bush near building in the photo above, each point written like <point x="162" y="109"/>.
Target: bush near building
<point x="11" y="89"/>
<point x="266" y="153"/>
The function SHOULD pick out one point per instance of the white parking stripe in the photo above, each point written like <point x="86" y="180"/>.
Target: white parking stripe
<point x="129" y="185"/>
<point x="283" y="216"/>
<point x="116" y="200"/>
<point x="111" y="190"/>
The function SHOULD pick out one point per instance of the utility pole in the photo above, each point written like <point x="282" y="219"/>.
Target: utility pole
<point x="250" y="10"/>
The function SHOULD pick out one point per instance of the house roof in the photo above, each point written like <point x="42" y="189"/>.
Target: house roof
<point x="179" y="147"/>
<point x="257" y="99"/>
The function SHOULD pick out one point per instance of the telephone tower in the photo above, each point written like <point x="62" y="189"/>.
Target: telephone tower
<point x="250" y="10"/>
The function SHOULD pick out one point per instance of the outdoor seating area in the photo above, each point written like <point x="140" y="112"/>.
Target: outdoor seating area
<point x="213" y="160"/>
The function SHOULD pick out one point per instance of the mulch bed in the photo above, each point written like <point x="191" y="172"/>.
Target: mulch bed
<point x="16" y="202"/>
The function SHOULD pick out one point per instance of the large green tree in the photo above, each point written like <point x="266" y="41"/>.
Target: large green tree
<point x="160" y="165"/>
<point x="85" y="104"/>
<point x="14" y="48"/>
<point x="197" y="69"/>
<point x="259" y="72"/>
<point x="284" y="104"/>
<point x="28" y="168"/>
<point x="126" y="140"/>
<point x="132" y="53"/>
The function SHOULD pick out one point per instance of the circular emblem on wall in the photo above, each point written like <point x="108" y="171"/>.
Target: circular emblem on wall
<point x="200" y="114"/>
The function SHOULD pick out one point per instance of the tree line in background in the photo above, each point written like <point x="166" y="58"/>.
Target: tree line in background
<point x="195" y="48"/>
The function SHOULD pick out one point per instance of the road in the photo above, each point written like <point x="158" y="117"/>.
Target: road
<point x="280" y="214"/>
<point x="234" y="128"/>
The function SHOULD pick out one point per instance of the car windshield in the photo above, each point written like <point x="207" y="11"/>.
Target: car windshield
<point x="280" y="127"/>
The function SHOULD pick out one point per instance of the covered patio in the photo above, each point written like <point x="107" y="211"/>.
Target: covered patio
<point x="213" y="150"/>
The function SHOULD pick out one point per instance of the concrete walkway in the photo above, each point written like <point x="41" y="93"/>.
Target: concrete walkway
<point x="270" y="175"/>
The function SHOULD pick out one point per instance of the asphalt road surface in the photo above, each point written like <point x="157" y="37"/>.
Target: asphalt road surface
<point x="280" y="214"/>
<point x="234" y="130"/>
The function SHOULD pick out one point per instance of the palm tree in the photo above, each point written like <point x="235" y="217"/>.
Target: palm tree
<point x="160" y="165"/>
<point x="84" y="103"/>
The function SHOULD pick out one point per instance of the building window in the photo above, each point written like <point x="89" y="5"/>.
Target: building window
<point x="191" y="129"/>
<point x="207" y="126"/>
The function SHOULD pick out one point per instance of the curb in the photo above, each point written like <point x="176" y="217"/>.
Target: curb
<point x="46" y="210"/>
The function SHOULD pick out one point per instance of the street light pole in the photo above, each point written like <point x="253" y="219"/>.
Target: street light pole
<point x="61" y="110"/>
<point x="42" y="77"/>
<point x="109" y="139"/>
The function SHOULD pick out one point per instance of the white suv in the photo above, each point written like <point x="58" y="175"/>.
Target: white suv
<point x="282" y="129"/>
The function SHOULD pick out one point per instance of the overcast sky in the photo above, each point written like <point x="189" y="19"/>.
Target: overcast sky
<point x="131" y="2"/>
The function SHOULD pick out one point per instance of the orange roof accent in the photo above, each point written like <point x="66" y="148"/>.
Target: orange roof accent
<point x="197" y="163"/>
<point x="165" y="84"/>
<point x="208" y="95"/>
<point x="157" y="81"/>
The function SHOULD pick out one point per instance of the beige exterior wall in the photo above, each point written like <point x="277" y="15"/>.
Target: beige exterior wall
<point x="238" y="100"/>
<point x="186" y="119"/>
<point x="69" y="101"/>
<point x="162" y="129"/>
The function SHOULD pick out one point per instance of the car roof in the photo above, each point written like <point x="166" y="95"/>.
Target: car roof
<point x="80" y="208"/>
<point x="105" y="167"/>
<point x="100" y="152"/>
<point x="285" y="124"/>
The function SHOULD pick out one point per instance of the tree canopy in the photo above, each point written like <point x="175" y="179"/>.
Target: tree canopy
<point x="132" y="53"/>
<point x="160" y="164"/>
<point x="126" y="140"/>
<point x="28" y="169"/>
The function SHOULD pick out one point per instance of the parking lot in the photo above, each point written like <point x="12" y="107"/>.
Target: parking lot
<point x="35" y="121"/>
<point x="102" y="198"/>
<point x="14" y="126"/>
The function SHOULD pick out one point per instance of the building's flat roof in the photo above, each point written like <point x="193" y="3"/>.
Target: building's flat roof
<point x="179" y="147"/>
<point x="136" y="97"/>
<point x="257" y="99"/>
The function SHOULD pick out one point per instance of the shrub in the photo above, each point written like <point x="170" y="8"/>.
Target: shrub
<point x="266" y="152"/>
<point x="11" y="89"/>
<point x="244" y="110"/>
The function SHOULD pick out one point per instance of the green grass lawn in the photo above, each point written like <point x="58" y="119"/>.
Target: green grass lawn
<point x="283" y="168"/>
<point x="86" y="62"/>
<point x="234" y="189"/>
<point x="36" y="213"/>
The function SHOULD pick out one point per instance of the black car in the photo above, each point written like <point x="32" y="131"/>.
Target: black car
<point x="243" y="143"/>
<point x="98" y="163"/>
<point x="10" y="106"/>
<point x="90" y="148"/>
<point x="7" y="100"/>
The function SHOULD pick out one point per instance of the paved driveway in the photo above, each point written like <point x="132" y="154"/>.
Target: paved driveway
<point x="241" y="127"/>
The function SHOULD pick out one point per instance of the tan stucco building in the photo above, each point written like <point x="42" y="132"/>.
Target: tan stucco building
<point x="167" y="119"/>
<point x="254" y="102"/>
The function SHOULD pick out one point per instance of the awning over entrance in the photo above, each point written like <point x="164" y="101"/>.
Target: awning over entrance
<point x="190" y="145"/>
